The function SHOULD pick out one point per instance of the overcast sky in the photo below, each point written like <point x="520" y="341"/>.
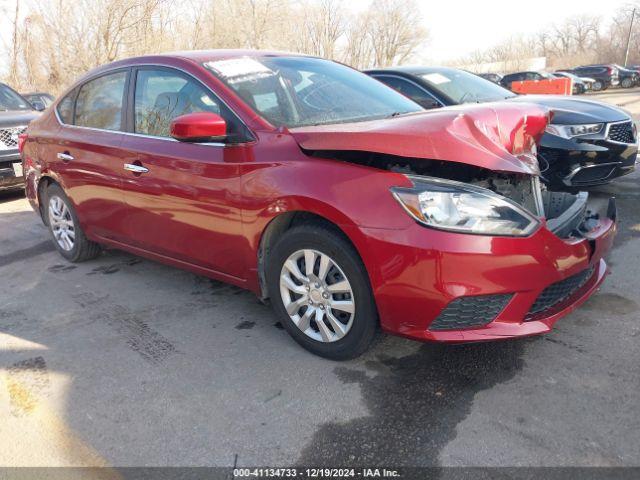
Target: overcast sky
<point x="458" y="27"/>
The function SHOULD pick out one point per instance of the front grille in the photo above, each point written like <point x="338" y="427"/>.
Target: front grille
<point x="622" y="132"/>
<point x="9" y="137"/>
<point x="558" y="292"/>
<point x="465" y="312"/>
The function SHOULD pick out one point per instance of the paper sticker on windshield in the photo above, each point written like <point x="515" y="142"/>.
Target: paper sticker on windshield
<point x="239" y="69"/>
<point x="436" y="78"/>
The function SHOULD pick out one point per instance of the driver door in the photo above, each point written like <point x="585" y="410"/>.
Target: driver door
<point x="183" y="198"/>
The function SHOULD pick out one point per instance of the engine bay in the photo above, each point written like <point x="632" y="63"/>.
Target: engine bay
<point x="568" y="215"/>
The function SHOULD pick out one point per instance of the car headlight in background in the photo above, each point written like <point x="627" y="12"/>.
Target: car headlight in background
<point x="570" y="131"/>
<point x="459" y="207"/>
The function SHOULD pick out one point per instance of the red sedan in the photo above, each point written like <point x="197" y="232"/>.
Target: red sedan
<point x="318" y="187"/>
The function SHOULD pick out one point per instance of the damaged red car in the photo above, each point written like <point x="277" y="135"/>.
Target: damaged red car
<point x="320" y="188"/>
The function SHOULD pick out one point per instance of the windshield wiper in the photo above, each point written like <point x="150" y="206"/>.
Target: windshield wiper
<point x="396" y="114"/>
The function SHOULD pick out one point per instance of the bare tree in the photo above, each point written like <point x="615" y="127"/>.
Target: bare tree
<point x="324" y="23"/>
<point x="395" y="30"/>
<point x="54" y="43"/>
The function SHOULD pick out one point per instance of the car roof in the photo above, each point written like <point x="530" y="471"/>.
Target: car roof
<point x="194" y="56"/>
<point x="200" y="56"/>
<point x="412" y="70"/>
<point x="223" y="54"/>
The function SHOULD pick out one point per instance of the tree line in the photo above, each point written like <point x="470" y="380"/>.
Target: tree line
<point x="56" y="41"/>
<point x="577" y="40"/>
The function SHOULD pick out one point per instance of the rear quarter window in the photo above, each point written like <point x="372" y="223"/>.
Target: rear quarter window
<point x="65" y="108"/>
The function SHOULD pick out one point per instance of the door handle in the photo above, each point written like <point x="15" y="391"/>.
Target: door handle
<point x="65" y="157"/>
<point x="132" y="167"/>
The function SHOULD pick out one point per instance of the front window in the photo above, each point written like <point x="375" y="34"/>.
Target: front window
<point x="162" y="95"/>
<point x="300" y="91"/>
<point x="464" y="87"/>
<point x="10" y="100"/>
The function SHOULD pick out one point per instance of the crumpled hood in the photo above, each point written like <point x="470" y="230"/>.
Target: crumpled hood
<point x="568" y="110"/>
<point x="495" y="136"/>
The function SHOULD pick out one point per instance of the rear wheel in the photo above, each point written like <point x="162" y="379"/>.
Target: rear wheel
<point x="597" y="86"/>
<point x="627" y="83"/>
<point x="320" y="289"/>
<point x="68" y="237"/>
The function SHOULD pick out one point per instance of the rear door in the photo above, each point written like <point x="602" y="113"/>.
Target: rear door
<point x="87" y="155"/>
<point x="186" y="203"/>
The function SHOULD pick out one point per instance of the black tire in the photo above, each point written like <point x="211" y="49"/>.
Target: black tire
<point x="626" y="83"/>
<point x="365" y="322"/>
<point x="597" y="86"/>
<point x="83" y="249"/>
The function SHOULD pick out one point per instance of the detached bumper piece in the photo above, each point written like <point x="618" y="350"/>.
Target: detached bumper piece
<point x="468" y="312"/>
<point x="557" y="293"/>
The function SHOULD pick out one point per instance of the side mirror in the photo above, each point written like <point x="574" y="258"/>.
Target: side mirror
<point x="198" y="127"/>
<point x="38" y="105"/>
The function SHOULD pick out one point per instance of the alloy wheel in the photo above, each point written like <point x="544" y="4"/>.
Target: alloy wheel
<point x="61" y="223"/>
<point x="317" y="295"/>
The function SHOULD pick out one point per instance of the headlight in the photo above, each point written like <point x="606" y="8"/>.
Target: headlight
<point x="464" y="208"/>
<point x="570" y="131"/>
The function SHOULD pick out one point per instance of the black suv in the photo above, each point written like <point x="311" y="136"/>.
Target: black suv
<point x="15" y="115"/>
<point x="605" y="76"/>
<point x="628" y="78"/>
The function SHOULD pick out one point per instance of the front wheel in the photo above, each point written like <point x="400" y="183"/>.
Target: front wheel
<point x="627" y="83"/>
<point x="320" y="290"/>
<point x="65" y="229"/>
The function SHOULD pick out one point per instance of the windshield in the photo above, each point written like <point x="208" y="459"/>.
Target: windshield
<point x="300" y="91"/>
<point x="464" y="87"/>
<point x="10" y="100"/>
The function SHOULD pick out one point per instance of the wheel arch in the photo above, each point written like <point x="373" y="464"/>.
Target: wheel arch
<point x="43" y="183"/>
<point x="284" y="221"/>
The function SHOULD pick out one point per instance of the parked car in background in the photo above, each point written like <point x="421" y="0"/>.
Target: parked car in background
<point x="492" y="77"/>
<point x="15" y="115"/>
<point x="580" y="85"/>
<point x="508" y="79"/>
<point x="320" y="188"/>
<point x="628" y="78"/>
<point x="587" y="143"/>
<point x="605" y="76"/>
<point x="39" y="100"/>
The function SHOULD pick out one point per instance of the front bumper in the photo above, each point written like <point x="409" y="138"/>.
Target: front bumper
<point x="583" y="163"/>
<point x="421" y="271"/>
<point x="11" y="175"/>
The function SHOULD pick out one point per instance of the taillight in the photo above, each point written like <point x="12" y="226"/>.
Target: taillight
<point x="22" y="138"/>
